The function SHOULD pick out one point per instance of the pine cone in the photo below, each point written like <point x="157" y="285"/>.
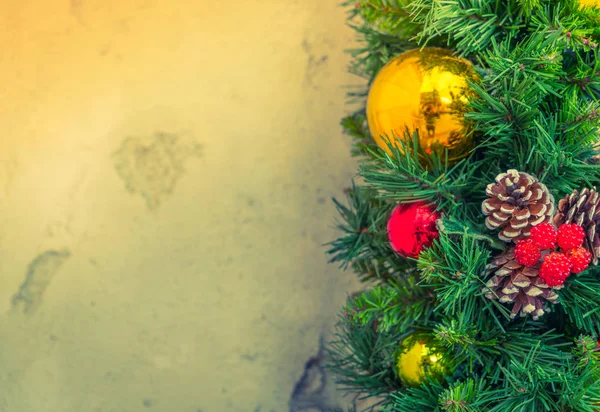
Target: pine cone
<point x="582" y="209"/>
<point x="517" y="202"/>
<point x="514" y="283"/>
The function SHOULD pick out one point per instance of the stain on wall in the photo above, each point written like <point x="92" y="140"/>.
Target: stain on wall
<point x="151" y="166"/>
<point x="40" y="273"/>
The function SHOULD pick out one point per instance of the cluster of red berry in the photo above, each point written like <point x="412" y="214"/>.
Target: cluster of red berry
<point x="557" y="265"/>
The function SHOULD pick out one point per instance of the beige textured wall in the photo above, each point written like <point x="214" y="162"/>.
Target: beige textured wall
<point x="165" y="175"/>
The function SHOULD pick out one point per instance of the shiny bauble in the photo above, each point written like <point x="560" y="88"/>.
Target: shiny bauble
<point x="419" y="357"/>
<point x="590" y="3"/>
<point x="426" y="91"/>
<point x="411" y="228"/>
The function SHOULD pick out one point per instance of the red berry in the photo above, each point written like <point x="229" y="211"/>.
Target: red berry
<point x="543" y="236"/>
<point x="555" y="269"/>
<point x="526" y="253"/>
<point x="570" y="236"/>
<point x="580" y="258"/>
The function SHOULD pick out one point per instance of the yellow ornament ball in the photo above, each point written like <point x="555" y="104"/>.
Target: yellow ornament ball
<point x="419" y="357"/>
<point x="591" y="3"/>
<point x="424" y="90"/>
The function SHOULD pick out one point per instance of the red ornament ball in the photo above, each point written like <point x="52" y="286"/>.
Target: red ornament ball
<point x="570" y="236"/>
<point x="527" y="253"/>
<point x="411" y="228"/>
<point x="543" y="236"/>
<point x="580" y="258"/>
<point x="555" y="269"/>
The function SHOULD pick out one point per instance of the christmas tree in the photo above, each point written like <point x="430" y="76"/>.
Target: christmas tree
<point x="475" y="218"/>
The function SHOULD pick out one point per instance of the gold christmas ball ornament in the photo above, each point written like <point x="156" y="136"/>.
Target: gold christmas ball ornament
<point x="419" y="357"/>
<point x="426" y="91"/>
<point x="590" y="3"/>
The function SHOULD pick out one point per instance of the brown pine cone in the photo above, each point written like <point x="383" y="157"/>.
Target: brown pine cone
<point x="582" y="209"/>
<point x="514" y="283"/>
<point x="517" y="202"/>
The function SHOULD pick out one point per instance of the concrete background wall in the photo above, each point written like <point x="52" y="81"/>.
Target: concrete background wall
<point x="165" y="175"/>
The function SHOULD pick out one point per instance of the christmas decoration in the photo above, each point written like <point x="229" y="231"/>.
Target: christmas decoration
<point x="590" y="3"/>
<point x="517" y="202"/>
<point x="489" y="295"/>
<point x="418" y="358"/>
<point x="527" y="253"/>
<point x="522" y="286"/>
<point x="570" y="236"/>
<point x="426" y="91"/>
<point x="580" y="259"/>
<point x="411" y="227"/>
<point x="582" y="209"/>
<point x="555" y="269"/>
<point x="544" y="236"/>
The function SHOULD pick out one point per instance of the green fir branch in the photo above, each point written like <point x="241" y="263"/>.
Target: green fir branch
<point x="582" y="74"/>
<point x="565" y="384"/>
<point x="590" y="18"/>
<point x="529" y="386"/>
<point x="565" y="24"/>
<point x="450" y="226"/>
<point x="362" y="359"/>
<point x="454" y="267"/>
<point x="399" y="305"/>
<point x="467" y="25"/>
<point x="515" y="344"/>
<point x="375" y="51"/>
<point x="528" y="6"/>
<point x="355" y="125"/>
<point x="580" y="301"/>
<point x="389" y="16"/>
<point x="467" y="345"/>
<point x="411" y="175"/>
<point x="381" y="270"/>
<point x="421" y="398"/>
<point x="467" y="396"/>
<point x="364" y="224"/>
